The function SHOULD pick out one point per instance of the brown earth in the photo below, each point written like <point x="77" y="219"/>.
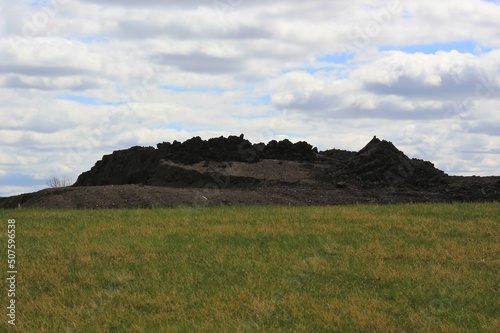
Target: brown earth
<point x="232" y="171"/>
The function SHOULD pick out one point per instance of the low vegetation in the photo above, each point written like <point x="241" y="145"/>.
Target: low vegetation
<point x="407" y="268"/>
<point x="57" y="182"/>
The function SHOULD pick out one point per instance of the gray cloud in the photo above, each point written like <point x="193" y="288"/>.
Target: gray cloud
<point x="220" y="4"/>
<point x="313" y="102"/>
<point x="16" y="82"/>
<point x="387" y="111"/>
<point x="325" y="104"/>
<point x="33" y="70"/>
<point x="488" y="128"/>
<point x="145" y="30"/>
<point x="151" y="3"/>
<point x="201" y="63"/>
<point x="450" y="86"/>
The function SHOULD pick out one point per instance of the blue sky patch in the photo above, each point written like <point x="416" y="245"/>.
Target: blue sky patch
<point x="94" y="39"/>
<point x="40" y="3"/>
<point x="179" y="89"/>
<point x="338" y="58"/>
<point x="462" y="47"/>
<point x="263" y="100"/>
<point x="308" y="69"/>
<point x="89" y="39"/>
<point x="340" y="72"/>
<point x="19" y="179"/>
<point x="86" y="100"/>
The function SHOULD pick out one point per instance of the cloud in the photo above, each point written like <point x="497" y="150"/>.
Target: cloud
<point x="79" y="79"/>
<point x="442" y="75"/>
<point x="201" y="63"/>
<point x="395" y="86"/>
<point x="70" y="83"/>
<point x="39" y="70"/>
<point x="153" y="3"/>
<point x="178" y="30"/>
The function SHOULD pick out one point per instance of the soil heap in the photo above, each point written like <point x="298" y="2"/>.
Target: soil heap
<point x="147" y="165"/>
<point x="233" y="171"/>
<point x="380" y="163"/>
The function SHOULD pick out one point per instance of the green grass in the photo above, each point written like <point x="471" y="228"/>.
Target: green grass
<point x="408" y="268"/>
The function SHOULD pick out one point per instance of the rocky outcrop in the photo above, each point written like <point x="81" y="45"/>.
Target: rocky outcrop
<point x="144" y="165"/>
<point x="380" y="163"/>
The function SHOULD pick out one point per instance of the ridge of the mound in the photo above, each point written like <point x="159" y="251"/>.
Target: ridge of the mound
<point x="234" y="148"/>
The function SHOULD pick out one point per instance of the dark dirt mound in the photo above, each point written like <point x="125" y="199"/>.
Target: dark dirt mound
<point x="145" y="165"/>
<point x="233" y="171"/>
<point x="380" y="163"/>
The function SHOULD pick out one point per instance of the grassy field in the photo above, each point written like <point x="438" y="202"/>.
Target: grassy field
<point x="408" y="268"/>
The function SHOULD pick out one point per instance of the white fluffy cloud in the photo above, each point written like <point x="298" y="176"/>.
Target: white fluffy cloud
<point x="81" y="78"/>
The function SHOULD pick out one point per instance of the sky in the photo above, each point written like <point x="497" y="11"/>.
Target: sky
<point x="82" y="78"/>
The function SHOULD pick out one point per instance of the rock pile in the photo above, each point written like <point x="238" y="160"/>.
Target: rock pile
<point x="380" y="163"/>
<point x="144" y="165"/>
